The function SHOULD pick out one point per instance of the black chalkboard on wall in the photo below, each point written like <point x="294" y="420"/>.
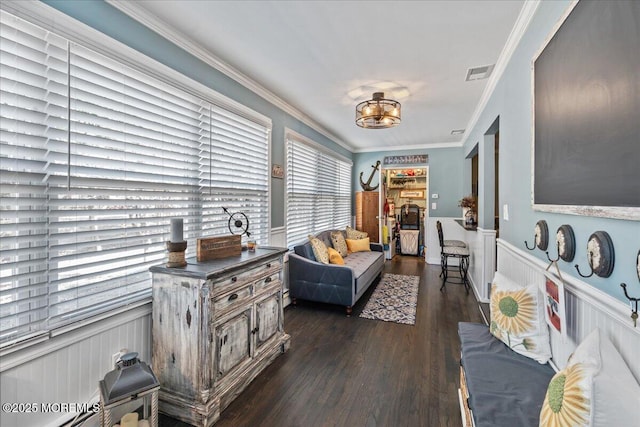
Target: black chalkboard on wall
<point x="587" y="113"/>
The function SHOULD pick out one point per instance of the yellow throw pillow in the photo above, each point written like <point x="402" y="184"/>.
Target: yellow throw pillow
<point x="335" y="257"/>
<point x="358" y="245"/>
<point x="319" y="249"/>
<point x="354" y="234"/>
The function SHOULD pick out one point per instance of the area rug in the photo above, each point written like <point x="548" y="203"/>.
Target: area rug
<point x="394" y="299"/>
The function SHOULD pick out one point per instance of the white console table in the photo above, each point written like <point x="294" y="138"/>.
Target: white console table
<point x="216" y="326"/>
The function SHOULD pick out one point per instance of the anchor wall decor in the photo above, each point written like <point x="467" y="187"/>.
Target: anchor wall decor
<point x="366" y="185"/>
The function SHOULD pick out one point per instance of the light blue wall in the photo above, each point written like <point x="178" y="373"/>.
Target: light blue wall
<point x="512" y="103"/>
<point x="119" y="26"/>
<point x="445" y="175"/>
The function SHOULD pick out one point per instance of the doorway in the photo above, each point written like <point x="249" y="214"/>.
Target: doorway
<point x="403" y="209"/>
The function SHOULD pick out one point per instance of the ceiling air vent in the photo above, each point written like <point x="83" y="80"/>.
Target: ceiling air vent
<point x="457" y="132"/>
<point x="479" y="73"/>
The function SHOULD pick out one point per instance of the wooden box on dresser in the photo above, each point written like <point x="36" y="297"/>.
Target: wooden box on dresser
<point x="215" y="326"/>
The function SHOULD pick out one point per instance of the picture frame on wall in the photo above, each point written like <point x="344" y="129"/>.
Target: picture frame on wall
<point x="413" y="194"/>
<point x="277" y="171"/>
<point x="554" y="303"/>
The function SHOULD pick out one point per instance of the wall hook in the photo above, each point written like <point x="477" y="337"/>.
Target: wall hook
<point x="557" y="251"/>
<point x="633" y="302"/>
<point x="552" y="260"/>
<point x="601" y="255"/>
<point x="527" y="244"/>
<point x="540" y="237"/>
<point x="590" y="267"/>
<point x="566" y="243"/>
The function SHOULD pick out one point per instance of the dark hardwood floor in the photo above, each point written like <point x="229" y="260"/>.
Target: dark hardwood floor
<point x="348" y="371"/>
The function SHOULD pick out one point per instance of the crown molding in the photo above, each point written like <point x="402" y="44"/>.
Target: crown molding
<point x="411" y="147"/>
<point x="296" y="136"/>
<point x="160" y="27"/>
<point x="68" y="27"/>
<point x="517" y="32"/>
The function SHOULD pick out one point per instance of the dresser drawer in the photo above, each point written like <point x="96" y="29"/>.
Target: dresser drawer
<point x="266" y="282"/>
<point x="233" y="299"/>
<point x="223" y="284"/>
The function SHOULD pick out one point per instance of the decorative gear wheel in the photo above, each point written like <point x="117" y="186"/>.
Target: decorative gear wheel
<point x="238" y="223"/>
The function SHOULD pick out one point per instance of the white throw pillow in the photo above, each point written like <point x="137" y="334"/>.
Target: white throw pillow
<point x="616" y="393"/>
<point x="517" y="318"/>
<point x="598" y="389"/>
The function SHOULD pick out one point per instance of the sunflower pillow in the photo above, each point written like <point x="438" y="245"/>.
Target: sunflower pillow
<point x="596" y="389"/>
<point x="568" y="398"/>
<point x="517" y="318"/>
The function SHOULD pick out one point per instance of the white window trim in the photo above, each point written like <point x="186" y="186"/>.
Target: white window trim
<point x="23" y="352"/>
<point x="154" y="23"/>
<point x="75" y="31"/>
<point x="290" y="134"/>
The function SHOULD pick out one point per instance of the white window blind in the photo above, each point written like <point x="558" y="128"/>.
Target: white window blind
<point x="33" y="132"/>
<point x="234" y="174"/>
<point x="318" y="191"/>
<point x="132" y="168"/>
<point x="96" y="159"/>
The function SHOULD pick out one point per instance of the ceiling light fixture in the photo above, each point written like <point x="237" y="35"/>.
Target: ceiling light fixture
<point x="378" y="112"/>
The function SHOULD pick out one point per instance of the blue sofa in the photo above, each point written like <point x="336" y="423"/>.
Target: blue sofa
<point x="330" y="283"/>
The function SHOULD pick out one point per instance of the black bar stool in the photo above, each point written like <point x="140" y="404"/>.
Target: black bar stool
<point x="447" y="243"/>
<point x="461" y="252"/>
<point x="454" y="243"/>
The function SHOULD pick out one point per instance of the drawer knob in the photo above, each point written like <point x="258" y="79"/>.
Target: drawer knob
<point x="269" y="265"/>
<point x="234" y="279"/>
<point x="233" y="297"/>
<point x="267" y="280"/>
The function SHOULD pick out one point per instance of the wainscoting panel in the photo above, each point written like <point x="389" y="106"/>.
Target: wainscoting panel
<point x="70" y="374"/>
<point x="483" y="256"/>
<point x="451" y="231"/>
<point x="278" y="237"/>
<point x="586" y="308"/>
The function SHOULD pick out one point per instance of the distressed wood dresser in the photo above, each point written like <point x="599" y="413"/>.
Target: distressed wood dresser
<point x="215" y="326"/>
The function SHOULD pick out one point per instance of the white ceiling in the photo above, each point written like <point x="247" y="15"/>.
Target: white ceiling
<point x="311" y="54"/>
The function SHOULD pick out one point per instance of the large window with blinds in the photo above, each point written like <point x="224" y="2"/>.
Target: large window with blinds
<point x="318" y="189"/>
<point x="95" y="158"/>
